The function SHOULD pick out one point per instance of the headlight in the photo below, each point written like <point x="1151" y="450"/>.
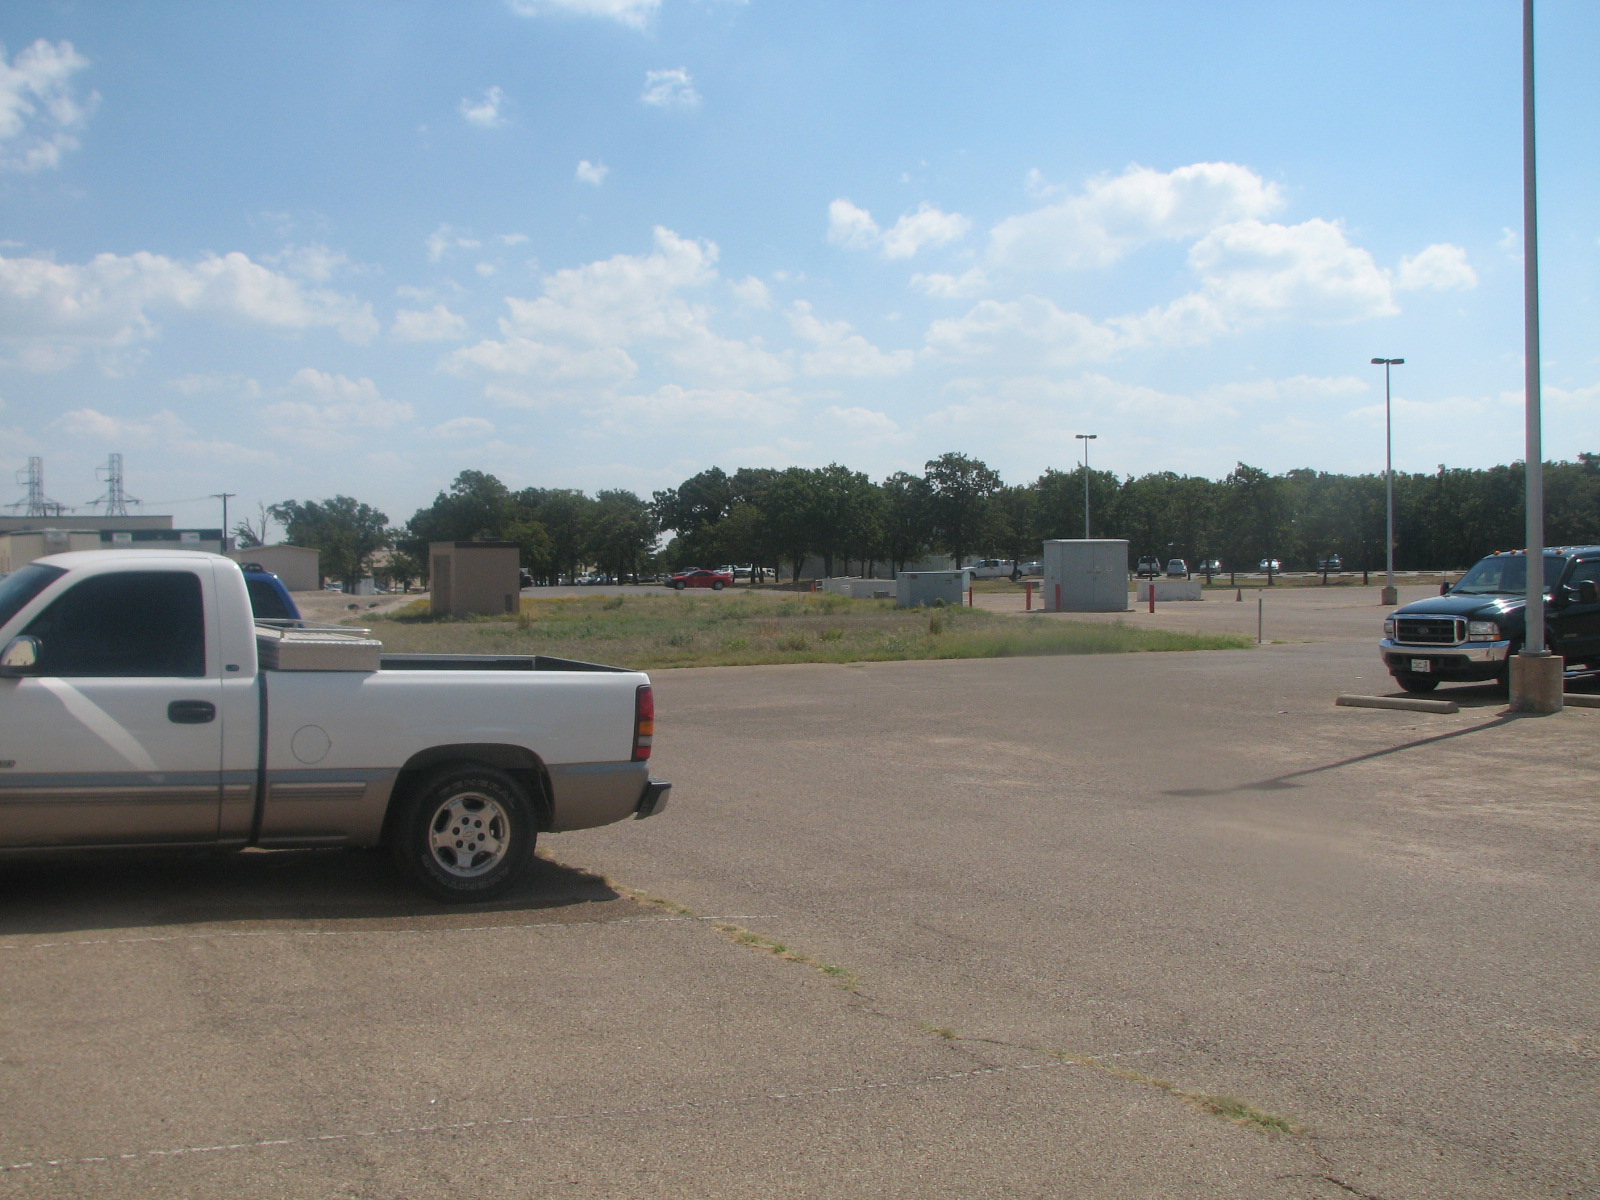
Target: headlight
<point x="1482" y="631"/>
<point x="1388" y="628"/>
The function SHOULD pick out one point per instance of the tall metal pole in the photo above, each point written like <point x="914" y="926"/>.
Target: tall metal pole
<point x="1086" y="438"/>
<point x="1536" y="675"/>
<point x="1534" y="637"/>
<point x="1390" y="594"/>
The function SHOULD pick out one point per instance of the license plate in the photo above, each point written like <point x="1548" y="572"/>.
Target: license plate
<point x="1422" y="666"/>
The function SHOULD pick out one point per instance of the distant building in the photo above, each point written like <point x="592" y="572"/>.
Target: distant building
<point x="23" y="539"/>
<point x="298" y="566"/>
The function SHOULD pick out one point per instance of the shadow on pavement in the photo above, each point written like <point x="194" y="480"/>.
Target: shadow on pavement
<point x="1289" y="779"/>
<point x="127" y="891"/>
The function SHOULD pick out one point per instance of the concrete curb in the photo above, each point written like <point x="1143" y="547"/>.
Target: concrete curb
<point x="1401" y="702"/>
<point x="1580" y="700"/>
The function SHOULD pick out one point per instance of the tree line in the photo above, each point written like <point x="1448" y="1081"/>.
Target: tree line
<point x="782" y="518"/>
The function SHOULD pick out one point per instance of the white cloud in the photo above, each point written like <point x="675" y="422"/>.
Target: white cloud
<point x="465" y="427"/>
<point x="315" y="262"/>
<point x="841" y="352"/>
<point x="112" y="300"/>
<point x="447" y="238"/>
<point x="1114" y="215"/>
<point x="320" y="410"/>
<point x="592" y="173"/>
<point x="437" y="324"/>
<point x="861" y="422"/>
<point x="673" y="406"/>
<point x="1441" y="267"/>
<point x="952" y="287"/>
<point x="487" y="111"/>
<point x="1251" y="272"/>
<point x="928" y="226"/>
<point x="672" y="88"/>
<point x="852" y="226"/>
<point x="40" y="113"/>
<point x="635" y="14"/>
<point x="590" y="318"/>
<point x="752" y="293"/>
<point x="164" y="431"/>
<point x="513" y="239"/>
<point x="1031" y="330"/>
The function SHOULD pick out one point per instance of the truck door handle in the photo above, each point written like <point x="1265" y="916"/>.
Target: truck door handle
<point x="191" y="712"/>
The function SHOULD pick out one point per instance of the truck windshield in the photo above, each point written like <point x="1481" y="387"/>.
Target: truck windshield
<point x="1506" y="575"/>
<point x="21" y="586"/>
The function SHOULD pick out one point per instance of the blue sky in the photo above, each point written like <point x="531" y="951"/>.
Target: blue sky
<point x="301" y="249"/>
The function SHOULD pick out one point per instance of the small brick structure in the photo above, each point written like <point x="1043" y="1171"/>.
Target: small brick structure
<point x="469" y="579"/>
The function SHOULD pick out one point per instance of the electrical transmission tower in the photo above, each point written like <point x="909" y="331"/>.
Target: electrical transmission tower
<point x="37" y="504"/>
<point x="115" y="499"/>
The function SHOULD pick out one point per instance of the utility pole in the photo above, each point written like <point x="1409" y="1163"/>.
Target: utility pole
<point x="223" y="496"/>
<point x="1086" y="438"/>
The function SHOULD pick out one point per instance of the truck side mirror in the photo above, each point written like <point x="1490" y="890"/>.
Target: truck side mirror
<point x="20" y="657"/>
<point x="1588" y="591"/>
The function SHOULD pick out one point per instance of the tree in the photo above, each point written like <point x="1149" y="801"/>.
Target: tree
<point x="344" y="532"/>
<point x="620" y="532"/>
<point x="960" y="487"/>
<point x="1015" y="522"/>
<point x="907" y="518"/>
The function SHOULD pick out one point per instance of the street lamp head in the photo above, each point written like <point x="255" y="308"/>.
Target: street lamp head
<point x="1087" y="437"/>
<point x="1387" y="362"/>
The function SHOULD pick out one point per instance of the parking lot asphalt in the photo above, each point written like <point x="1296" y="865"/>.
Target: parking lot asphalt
<point x="1039" y="918"/>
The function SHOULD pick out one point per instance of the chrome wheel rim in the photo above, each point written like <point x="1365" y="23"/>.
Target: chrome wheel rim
<point x="469" y="835"/>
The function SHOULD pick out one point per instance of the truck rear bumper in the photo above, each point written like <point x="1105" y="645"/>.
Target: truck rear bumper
<point x="654" y="799"/>
<point x="1467" y="661"/>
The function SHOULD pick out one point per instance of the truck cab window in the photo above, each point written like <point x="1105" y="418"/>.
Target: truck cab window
<point x="131" y="623"/>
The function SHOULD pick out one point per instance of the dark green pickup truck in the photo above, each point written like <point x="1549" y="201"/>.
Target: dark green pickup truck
<point x="1470" y="633"/>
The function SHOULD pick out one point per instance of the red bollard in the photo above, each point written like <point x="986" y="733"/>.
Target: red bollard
<point x="1028" y="587"/>
<point x="1152" y="595"/>
<point x="969" y="597"/>
<point x="1058" y="598"/>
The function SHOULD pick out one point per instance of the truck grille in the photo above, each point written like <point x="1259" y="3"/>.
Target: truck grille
<point x="1430" y="631"/>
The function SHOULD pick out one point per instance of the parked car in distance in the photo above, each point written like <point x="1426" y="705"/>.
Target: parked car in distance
<point x="1209" y="566"/>
<point x="1331" y="563"/>
<point x="1177" y="569"/>
<point x="1149" y="565"/>
<point x="1032" y="568"/>
<point x="1270" y="565"/>
<point x="988" y="568"/>
<point x="701" y="577"/>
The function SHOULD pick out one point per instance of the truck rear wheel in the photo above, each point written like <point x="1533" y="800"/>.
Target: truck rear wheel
<point x="1416" y="683"/>
<point x="464" y="833"/>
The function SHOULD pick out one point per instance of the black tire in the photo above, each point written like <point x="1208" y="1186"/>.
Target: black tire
<point x="716" y="585"/>
<point x="1416" y="683"/>
<point x="465" y="832"/>
<point x="678" y="585"/>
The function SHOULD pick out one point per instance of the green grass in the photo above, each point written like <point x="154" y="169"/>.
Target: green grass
<point x="645" y="632"/>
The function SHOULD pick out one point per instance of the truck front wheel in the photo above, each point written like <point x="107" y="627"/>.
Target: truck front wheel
<point x="464" y="833"/>
<point x="1415" y="683"/>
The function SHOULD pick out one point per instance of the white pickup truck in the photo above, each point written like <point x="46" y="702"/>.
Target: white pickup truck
<point x="142" y="704"/>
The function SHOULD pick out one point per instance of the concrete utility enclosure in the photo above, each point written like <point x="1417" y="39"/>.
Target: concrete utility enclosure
<point x="1169" y="589"/>
<point x="860" y="589"/>
<point x="928" y="587"/>
<point x="472" y="578"/>
<point x="1086" y="575"/>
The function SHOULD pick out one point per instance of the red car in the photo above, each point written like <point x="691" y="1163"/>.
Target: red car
<point x="701" y="577"/>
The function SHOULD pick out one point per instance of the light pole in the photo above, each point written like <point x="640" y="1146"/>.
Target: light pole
<point x="1086" y="438"/>
<point x="1391" y="594"/>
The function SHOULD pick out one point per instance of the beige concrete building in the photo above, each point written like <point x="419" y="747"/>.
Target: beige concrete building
<point x="298" y="566"/>
<point x="473" y="578"/>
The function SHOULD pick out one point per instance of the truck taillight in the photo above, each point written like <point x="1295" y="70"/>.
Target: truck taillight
<point x="644" y="722"/>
